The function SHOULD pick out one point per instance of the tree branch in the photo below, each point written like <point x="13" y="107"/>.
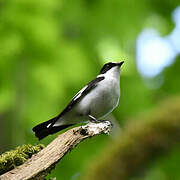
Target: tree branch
<point x="43" y="162"/>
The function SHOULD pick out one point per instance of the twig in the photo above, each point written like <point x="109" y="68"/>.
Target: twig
<point x="43" y="162"/>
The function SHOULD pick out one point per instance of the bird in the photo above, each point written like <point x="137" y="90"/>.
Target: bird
<point x="92" y="103"/>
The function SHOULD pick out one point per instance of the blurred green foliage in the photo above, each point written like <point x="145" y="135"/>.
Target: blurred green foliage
<point x="50" y="48"/>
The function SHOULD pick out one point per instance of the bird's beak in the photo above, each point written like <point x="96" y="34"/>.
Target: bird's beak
<point x="120" y="64"/>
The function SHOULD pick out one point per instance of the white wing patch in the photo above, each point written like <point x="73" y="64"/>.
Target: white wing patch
<point x="100" y="75"/>
<point x="79" y="93"/>
<point x="48" y="125"/>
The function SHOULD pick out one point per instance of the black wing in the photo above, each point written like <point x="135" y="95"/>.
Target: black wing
<point x="91" y="85"/>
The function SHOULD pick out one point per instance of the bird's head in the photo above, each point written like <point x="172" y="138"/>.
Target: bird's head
<point x="111" y="66"/>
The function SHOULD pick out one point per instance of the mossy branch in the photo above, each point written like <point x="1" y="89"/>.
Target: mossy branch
<point x="43" y="162"/>
<point x="11" y="159"/>
<point x="142" y="140"/>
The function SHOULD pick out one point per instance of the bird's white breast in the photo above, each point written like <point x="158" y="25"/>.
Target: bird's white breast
<point x="102" y="99"/>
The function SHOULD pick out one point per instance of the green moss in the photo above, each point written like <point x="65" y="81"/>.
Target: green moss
<point x="9" y="160"/>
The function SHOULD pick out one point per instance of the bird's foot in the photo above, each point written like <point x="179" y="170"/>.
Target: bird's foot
<point x="108" y="121"/>
<point x="94" y="120"/>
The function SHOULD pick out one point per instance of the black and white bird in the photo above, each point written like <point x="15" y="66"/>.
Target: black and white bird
<point x="93" y="102"/>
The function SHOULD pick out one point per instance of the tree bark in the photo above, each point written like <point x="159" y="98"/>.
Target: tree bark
<point x="43" y="162"/>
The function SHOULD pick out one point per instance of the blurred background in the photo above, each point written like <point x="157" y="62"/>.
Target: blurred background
<point x="49" y="49"/>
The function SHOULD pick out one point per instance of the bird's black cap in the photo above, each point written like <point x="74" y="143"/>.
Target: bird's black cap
<point x="109" y="65"/>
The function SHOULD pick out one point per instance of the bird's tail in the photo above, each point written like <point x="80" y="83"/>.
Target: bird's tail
<point x="46" y="128"/>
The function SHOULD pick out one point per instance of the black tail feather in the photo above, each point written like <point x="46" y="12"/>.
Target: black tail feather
<point x="44" y="125"/>
<point x="41" y="130"/>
